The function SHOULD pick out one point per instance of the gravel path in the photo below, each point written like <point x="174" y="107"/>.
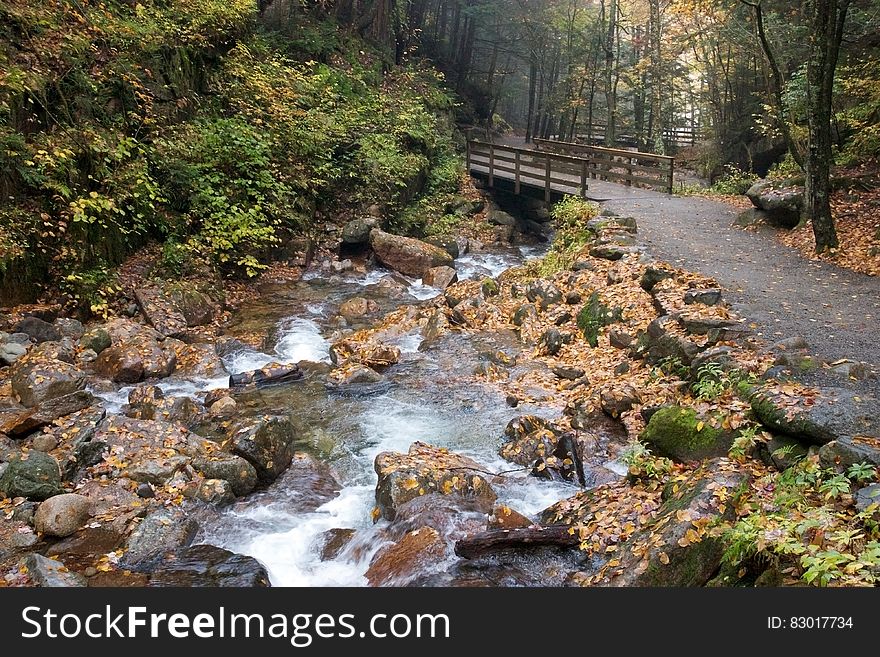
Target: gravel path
<point x="835" y="310"/>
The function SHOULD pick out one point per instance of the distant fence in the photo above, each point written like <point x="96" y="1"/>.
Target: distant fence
<point x="618" y="165"/>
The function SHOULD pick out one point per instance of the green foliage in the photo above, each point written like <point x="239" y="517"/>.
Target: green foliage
<point x="713" y="380"/>
<point x="642" y="464"/>
<point x="745" y="442"/>
<point x="92" y="290"/>
<point x="570" y="216"/>
<point x="861" y="116"/>
<point x="734" y="182"/>
<point x="154" y="119"/>
<point x="804" y="528"/>
<point x="861" y="473"/>
<point x="785" y="169"/>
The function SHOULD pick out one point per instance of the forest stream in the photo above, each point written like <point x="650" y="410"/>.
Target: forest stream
<point x="422" y="398"/>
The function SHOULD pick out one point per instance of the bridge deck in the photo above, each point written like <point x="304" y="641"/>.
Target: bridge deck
<point x="526" y="170"/>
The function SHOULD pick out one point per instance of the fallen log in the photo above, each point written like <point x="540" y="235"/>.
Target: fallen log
<point x="270" y="374"/>
<point x="494" y="540"/>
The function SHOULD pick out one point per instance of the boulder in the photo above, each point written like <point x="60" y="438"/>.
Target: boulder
<point x="161" y="312"/>
<point x="543" y="293"/>
<point x="835" y="413"/>
<point x="678" y="548"/>
<point x="356" y="373"/>
<point x="225" y="407"/>
<point x="50" y="573"/>
<point x="781" y="202"/>
<point x="46" y="413"/>
<point x="372" y="354"/>
<point x="552" y="341"/>
<point x="418" y="553"/>
<point x="31" y="474"/>
<point x="38" y="330"/>
<point x="500" y="218"/>
<point x="707" y="297"/>
<point x="157" y="534"/>
<point x="96" y="339"/>
<point x="357" y="231"/>
<point x="36" y="379"/>
<point x="615" y="401"/>
<point x="62" y="515"/>
<point x="683" y="435"/>
<point x="217" y="492"/>
<point x="207" y="565"/>
<point x="662" y="341"/>
<point x="196" y="307"/>
<point x="267" y="444"/>
<point x="503" y="517"/>
<point x="16" y="538"/>
<point x="334" y="541"/>
<point x="440" y="277"/>
<point x="427" y="469"/>
<point x="240" y="474"/>
<point x="846" y="451"/>
<point x="70" y="328"/>
<point x="139" y="357"/>
<point x="149" y="451"/>
<point x="10" y="352"/>
<point x="407" y="255"/>
<point x="199" y="361"/>
<point x="867" y="496"/>
<point x="357" y="307"/>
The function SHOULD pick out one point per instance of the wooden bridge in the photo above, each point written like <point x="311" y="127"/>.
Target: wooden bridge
<point x="555" y="168"/>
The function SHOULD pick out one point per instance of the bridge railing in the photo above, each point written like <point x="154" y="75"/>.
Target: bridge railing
<point x="619" y="165"/>
<point x="547" y="170"/>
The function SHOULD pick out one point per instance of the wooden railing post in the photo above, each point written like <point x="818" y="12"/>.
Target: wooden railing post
<point x="516" y="184"/>
<point x="491" y="165"/>
<point x="671" y="177"/>
<point x="629" y="172"/>
<point x="547" y="181"/>
<point x="584" y="179"/>
<point x="468" y="156"/>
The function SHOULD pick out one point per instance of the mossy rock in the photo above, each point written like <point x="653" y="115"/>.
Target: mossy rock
<point x="683" y="435"/>
<point x="489" y="287"/>
<point x="595" y="315"/>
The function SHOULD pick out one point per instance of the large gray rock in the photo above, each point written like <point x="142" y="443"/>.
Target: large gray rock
<point x="783" y="203"/>
<point x="46" y="413"/>
<point x="267" y="444"/>
<point x="357" y="231"/>
<point x="206" y="565"/>
<point x="33" y="475"/>
<point x="50" y="573"/>
<point x="160" y="532"/>
<point x="137" y="358"/>
<point x="96" y="339"/>
<point x="36" y="379"/>
<point x="161" y="312"/>
<point x="10" y="352"/>
<point x="240" y="474"/>
<point x="846" y="451"/>
<point x="835" y="413"/>
<point x="407" y="255"/>
<point x="62" y="515"/>
<point x="427" y="469"/>
<point x="38" y="330"/>
<point x="677" y="548"/>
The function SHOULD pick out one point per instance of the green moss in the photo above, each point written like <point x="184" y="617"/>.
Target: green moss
<point x="593" y="316"/>
<point x="489" y="287"/>
<point x="678" y="433"/>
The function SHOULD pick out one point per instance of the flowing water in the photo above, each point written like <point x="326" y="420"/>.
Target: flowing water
<point x="423" y="398"/>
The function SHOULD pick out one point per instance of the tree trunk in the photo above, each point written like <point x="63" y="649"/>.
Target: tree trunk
<point x="828" y="23"/>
